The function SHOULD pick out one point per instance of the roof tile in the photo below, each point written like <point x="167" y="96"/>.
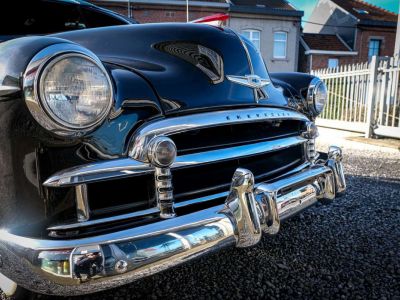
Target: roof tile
<point x="372" y="12"/>
<point x="327" y="42"/>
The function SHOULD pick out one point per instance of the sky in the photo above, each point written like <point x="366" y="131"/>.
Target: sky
<point x="308" y="5"/>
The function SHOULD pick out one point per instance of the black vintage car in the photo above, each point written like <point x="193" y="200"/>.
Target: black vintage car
<point x="127" y="150"/>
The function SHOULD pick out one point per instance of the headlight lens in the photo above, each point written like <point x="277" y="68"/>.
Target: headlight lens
<point x="75" y="91"/>
<point x="320" y="96"/>
<point x="317" y="96"/>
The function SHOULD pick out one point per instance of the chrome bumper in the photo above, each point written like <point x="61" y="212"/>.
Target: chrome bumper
<point x="72" y="267"/>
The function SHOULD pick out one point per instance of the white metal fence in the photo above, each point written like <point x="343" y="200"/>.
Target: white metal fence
<point x="363" y="97"/>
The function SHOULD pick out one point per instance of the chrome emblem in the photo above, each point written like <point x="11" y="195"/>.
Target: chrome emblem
<point x="251" y="81"/>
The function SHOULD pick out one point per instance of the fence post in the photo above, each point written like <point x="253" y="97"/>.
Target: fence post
<point x="371" y="97"/>
<point x="382" y="98"/>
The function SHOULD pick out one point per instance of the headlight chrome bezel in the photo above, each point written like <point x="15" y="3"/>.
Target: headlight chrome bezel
<point x="311" y="95"/>
<point x="33" y="89"/>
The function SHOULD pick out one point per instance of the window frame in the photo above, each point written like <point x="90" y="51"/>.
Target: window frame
<point x="280" y="41"/>
<point x="251" y="32"/>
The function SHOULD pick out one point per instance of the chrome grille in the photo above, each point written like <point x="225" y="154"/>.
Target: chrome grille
<point x="266" y="140"/>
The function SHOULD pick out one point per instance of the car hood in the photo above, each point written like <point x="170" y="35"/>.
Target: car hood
<point x="186" y="64"/>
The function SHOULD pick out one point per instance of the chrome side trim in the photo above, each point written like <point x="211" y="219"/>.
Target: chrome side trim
<point x="139" y="142"/>
<point x="126" y="167"/>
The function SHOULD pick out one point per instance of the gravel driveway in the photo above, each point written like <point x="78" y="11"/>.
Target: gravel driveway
<point x="350" y="249"/>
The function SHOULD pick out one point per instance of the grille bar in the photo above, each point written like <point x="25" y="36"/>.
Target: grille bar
<point x="180" y="124"/>
<point x="127" y="167"/>
<point x="155" y="211"/>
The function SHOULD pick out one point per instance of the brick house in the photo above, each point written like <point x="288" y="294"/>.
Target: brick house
<point x="366" y="29"/>
<point x="155" y="11"/>
<point x="319" y="51"/>
<point x="274" y="26"/>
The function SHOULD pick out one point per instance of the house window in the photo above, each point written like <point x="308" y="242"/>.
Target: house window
<point x="253" y="36"/>
<point x="280" y="44"/>
<point x="333" y="63"/>
<point x="169" y="14"/>
<point x="374" y="47"/>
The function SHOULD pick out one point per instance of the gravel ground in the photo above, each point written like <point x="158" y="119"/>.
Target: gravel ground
<point x="348" y="250"/>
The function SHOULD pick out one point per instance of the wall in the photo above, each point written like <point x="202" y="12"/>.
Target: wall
<point x="304" y="62"/>
<point x="267" y="25"/>
<point x="321" y="61"/>
<point x="386" y="35"/>
<point x="145" y="13"/>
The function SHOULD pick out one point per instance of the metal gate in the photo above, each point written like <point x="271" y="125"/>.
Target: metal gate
<point x="363" y="97"/>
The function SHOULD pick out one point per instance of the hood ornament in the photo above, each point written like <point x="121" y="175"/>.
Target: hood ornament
<point x="251" y="81"/>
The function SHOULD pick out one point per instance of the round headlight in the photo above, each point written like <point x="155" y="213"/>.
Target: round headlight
<point x="317" y="96"/>
<point x="75" y="91"/>
<point x="67" y="89"/>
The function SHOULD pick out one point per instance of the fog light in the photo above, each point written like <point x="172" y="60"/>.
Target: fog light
<point x="311" y="131"/>
<point x="161" y="152"/>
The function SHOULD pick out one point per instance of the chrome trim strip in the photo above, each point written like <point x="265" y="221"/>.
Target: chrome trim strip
<point x="115" y="168"/>
<point x="140" y="141"/>
<point x="245" y="50"/>
<point x="126" y="167"/>
<point x="201" y="199"/>
<point x="136" y="214"/>
<point x="236" y="152"/>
